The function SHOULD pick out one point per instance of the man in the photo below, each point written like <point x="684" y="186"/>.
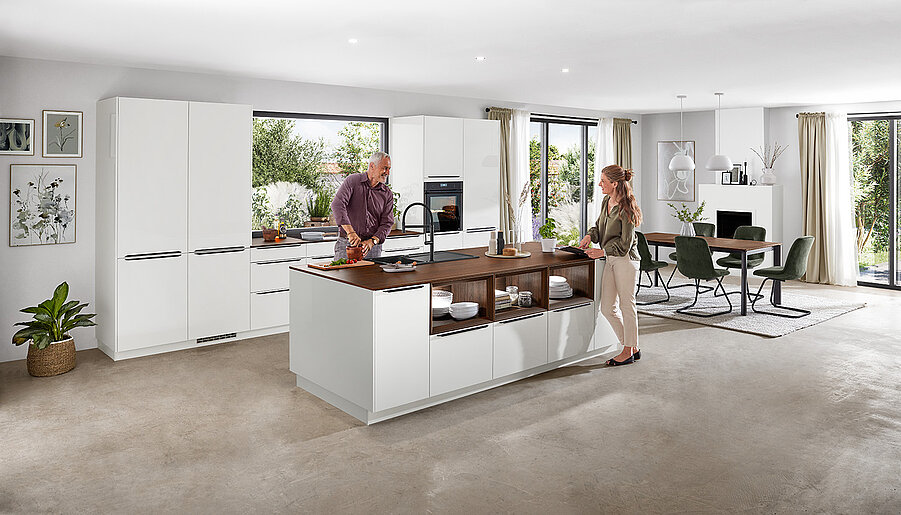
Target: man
<point x="364" y="208"/>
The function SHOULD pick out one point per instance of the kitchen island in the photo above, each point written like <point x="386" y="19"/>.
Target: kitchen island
<point x="365" y="341"/>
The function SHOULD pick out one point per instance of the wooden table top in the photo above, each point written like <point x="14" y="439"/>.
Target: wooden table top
<point x="667" y="239"/>
<point x="373" y="278"/>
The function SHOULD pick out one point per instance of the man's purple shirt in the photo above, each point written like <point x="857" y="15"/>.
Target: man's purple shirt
<point x="369" y="210"/>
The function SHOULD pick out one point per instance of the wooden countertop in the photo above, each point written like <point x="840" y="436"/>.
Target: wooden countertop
<point x="373" y="278"/>
<point x="667" y="239"/>
<point x="290" y="240"/>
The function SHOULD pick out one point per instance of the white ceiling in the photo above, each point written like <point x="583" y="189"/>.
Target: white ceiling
<point x="625" y="55"/>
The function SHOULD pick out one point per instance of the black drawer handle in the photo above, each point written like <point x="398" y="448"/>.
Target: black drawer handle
<point x="521" y="318"/>
<point x="277" y="261"/>
<point x="458" y="331"/>
<point x="220" y="250"/>
<point x="153" y="255"/>
<point x="567" y="308"/>
<point x="405" y="288"/>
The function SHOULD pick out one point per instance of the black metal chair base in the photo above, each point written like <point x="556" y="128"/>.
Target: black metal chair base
<point x="704" y="288"/>
<point x="697" y="285"/>
<point x="802" y="312"/>
<point x="649" y="285"/>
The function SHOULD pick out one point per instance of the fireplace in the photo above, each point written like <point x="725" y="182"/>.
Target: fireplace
<point x="728" y="221"/>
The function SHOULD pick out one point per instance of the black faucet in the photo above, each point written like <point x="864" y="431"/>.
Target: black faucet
<point x="428" y="228"/>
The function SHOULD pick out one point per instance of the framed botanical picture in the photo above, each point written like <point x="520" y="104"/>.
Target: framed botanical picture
<point x="736" y="174"/>
<point x="63" y="133"/>
<point x="679" y="185"/>
<point x="41" y="204"/>
<point x="16" y="137"/>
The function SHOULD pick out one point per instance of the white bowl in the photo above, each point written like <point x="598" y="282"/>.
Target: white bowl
<point x="557" y="280"/>
<point x="464" y="305"/>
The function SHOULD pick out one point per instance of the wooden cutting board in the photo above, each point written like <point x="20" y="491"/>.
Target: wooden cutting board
<point x="324" y="265"/>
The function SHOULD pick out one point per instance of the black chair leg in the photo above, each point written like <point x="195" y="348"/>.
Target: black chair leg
<point x="684" y="310"/>
<point x="802" y="312"/>
<point x="704" y="289"/>
<point x="650" y="284"/>
<point x="751" y="296"/>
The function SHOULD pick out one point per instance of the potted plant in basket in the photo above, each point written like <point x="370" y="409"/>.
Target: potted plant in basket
<point x="688" y="217"/>
<point x="548" y="233"/>
<point x="52" y="349"/>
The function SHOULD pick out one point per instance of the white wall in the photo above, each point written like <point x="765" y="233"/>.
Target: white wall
<point x="29" y="274"/>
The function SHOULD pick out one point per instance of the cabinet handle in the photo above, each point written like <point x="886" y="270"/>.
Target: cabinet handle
<point x="403" y="249"/>
<point x="405" y="288"/>
<point x="153" y="255"/>
<point x="276" y="261"/>
<point x="567" y="308"/>
<point x="219" y="250"/>
<point x="448" y="233"/>
<point x="270" y="291"/>
<point x="458" y="331"/>
<point x="444" y="176"/>
<point x="480" y="229"/>
<point x="520" y="318"/>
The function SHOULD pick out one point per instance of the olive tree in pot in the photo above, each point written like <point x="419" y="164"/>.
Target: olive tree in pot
<point x="548" y="233"/>
<point x="52" y="349"/>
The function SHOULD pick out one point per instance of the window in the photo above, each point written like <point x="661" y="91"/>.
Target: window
<point x="561" y="172"/>
<point x="300" y="160"/>
<point x="875" y="181"/>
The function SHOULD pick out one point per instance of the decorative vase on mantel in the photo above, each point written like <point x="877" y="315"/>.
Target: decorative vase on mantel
<point x="768" y="177"/>
<point x="688" y="229"/>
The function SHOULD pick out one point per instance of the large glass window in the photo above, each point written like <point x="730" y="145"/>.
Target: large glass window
<point x="562" y="175"/>
<point x="300" y="160"/>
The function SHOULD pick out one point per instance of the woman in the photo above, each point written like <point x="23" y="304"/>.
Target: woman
<point x="614" y="230"/>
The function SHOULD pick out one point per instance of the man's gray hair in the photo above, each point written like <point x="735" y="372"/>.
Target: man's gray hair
<point x="377" y="157"/>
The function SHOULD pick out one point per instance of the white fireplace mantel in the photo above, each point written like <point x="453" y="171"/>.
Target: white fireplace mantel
<point x="763" y="202"/>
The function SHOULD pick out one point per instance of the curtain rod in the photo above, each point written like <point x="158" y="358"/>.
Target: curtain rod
<point x="562" y="117"/>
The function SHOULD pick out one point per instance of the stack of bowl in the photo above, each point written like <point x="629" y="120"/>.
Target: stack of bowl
<point x="464" y="310"/>
<point x="559" y="287"/>
<point x="441" y="303"/>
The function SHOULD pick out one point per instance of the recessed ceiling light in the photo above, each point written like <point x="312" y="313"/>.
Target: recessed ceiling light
<point x="480" y="58"/>
<point x="564" y="70"/>
<point x="352" y="41"/>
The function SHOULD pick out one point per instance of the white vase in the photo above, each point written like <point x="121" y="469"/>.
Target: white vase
<point x="688" y="229"/>
<point x="548" y="244"/>
<point x="768" y="176"/>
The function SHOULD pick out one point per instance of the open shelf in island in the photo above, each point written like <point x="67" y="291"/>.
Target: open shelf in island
<point x="477" y="290"/>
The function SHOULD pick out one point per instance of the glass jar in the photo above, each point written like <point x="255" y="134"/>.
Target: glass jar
<point x="525" y="299"/>
<point x="514" y="293"/>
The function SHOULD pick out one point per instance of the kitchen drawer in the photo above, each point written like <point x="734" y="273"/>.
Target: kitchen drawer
<point x="272" y="275"/>
<point x="570" y="331"/>
<point x="274" y="253"/>
<point x="477" y="238"/>
<point x="520" y="344"/>
<point x="321" y="250"/>
<point x="449" y="240"/>
<point x="459" y="359"/>
<point x="403" y="243"/>
<point x="269" y="309"/>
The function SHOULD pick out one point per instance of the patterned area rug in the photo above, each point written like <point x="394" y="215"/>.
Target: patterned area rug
<point x="754" y="323"/>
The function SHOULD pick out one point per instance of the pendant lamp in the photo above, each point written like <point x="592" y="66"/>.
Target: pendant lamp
<point x="719" y="162"/>
<point x="681" y="162"/>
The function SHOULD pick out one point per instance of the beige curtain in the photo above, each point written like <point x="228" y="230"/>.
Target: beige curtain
<point x="812" y="147"/>
<point x="622" y="142"/>
<point x="505" y="116"/>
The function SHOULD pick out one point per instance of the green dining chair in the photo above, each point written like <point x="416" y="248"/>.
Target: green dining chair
<point x="795" y="266"/>
<point x="648" y="265"/>
<point x="701" y="229"/>
<point x="696" y="263"/>
<point x="733" y="260"/>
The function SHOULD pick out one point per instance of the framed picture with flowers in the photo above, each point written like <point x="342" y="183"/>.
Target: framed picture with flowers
<point x="63" y="133"/>
<point x="41" y="204"/>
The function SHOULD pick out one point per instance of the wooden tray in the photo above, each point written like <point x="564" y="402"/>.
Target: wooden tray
<point x="322" y="266"/>
<point x="521" y="255"/>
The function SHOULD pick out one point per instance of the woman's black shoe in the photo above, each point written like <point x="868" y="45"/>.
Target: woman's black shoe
<point x="613" y="363"/>
<point x="637" y="355"/>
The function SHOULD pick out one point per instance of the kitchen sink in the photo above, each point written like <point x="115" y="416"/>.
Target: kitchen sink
<point x="422" y="258"/>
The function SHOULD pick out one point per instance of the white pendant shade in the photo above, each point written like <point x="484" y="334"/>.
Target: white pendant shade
<point x="681" y="163"/>
<point x="719" y="163"/>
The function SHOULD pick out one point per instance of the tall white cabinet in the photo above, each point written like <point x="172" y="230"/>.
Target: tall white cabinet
<point x="173" y="223"/>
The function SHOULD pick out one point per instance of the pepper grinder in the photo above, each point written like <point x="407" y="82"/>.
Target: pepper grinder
<point x="492" y="244"/>
<point x="500" y="243"/>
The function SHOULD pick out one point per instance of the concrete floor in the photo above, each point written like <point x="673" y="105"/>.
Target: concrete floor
<point x="708" y="421"/>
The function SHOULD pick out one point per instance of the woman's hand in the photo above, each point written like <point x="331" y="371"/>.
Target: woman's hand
<point x="595" y="253"/>
<point x="585" y="242"/>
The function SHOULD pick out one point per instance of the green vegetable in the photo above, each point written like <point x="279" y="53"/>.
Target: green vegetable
<point x="337" y="262"/>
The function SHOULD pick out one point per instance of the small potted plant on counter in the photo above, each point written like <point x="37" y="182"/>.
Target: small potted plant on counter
<point x="319" y="206"/>
<point x="548" y="233"/>
<point x="52" y="349"/>
<point x="688" y="217"/>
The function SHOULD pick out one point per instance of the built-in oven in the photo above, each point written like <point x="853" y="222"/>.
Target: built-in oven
<point x="445" y="201"/>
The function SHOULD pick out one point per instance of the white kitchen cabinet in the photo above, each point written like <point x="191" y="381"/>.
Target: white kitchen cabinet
<point x="152" y="296"/>
<point x="400" y="346"/>
<point x="272" y="274"/>
<point x="443" y="147"/>
<point x="219" y="179"/>
<point x="460" y="359"/>
<point x="520" y="344"/>
<point x="449" y="240"/>
<point x="269" y="309"/>
<point x="570" y="331"/>
<point x="320" y="250"/>
<point x="218" y="283"/>
<point x="481" y="174"/>
<point x="150" y="145"/>
<point x="476" y="238"/>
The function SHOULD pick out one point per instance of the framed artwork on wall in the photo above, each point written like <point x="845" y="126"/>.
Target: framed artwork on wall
<point x="736" y="174"/>
<point x="727" y="178"/>
<point x="674" y="185"/>
<point x="41" y="204"/>
<point x="16" y="137"/>
<point x="63" y="133"/>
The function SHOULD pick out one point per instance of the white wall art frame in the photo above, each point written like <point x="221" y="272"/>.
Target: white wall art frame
<point x="41" y="204"/>
<point x="63" y="133"/>
<point x="16" y="137"/>
<point x="671" y="185"/>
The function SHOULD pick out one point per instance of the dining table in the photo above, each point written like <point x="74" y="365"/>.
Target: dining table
<point x="743" y="247"/>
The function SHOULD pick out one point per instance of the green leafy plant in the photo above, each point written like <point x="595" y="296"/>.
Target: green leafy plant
<point x="549" y="229"/>
<point x="320" y="204"/>
<point x="687" y="215"/>
<point x="53" y="319"/>
<point x="396" y="208"/>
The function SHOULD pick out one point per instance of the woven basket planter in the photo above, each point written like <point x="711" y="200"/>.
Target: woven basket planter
<point x="54" y="359"/>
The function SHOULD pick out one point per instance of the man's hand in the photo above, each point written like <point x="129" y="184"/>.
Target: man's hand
<point x="367" y="246"/>
<point x="585" y="242"/>
<point x="353" y="239"/>
<point x="595" y="253"/>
